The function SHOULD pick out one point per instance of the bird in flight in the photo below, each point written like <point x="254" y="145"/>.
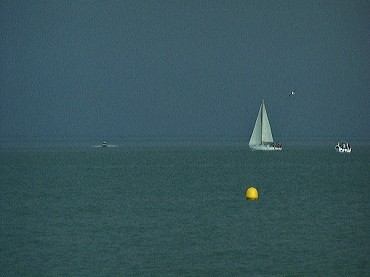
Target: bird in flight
<point x="292" y="93"/>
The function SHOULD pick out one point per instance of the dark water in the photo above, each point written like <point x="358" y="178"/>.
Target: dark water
<point x="181" y="210"/>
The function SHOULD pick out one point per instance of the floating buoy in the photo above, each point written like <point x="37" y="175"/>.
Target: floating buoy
<point x="251" y="194"/>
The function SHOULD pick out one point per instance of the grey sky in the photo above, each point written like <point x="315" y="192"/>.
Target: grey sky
<point x="183" y="69"/>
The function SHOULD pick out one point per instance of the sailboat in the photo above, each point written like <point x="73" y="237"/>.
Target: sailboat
<point x="261" y="138"/>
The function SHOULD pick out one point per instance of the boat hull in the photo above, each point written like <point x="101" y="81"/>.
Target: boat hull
<point x="265" y="148"/>
<point x="343" y="150"/>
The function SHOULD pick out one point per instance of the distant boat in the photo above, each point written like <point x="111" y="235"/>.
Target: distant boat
<point x="343" y="147"/>
<point x="104" y="144"/>
<point x="261" y="138"/>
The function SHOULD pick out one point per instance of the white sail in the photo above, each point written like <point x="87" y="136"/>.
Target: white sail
<point x="261" y="138"/>
<point x="256" y="138"/>
<point x="266" y="128"/>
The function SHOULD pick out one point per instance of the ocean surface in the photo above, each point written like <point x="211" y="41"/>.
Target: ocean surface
<point x="168" y="210"/>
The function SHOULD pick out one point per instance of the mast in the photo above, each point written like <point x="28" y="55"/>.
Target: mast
<point x="262" y="120"/>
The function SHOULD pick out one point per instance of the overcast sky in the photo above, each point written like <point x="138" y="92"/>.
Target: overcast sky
<point x="155" y="70"/>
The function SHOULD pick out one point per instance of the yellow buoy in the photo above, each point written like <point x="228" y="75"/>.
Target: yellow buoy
<point x="251" y="194"/>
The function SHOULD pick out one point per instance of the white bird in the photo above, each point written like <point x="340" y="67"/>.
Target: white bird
<point x="292" y="93"/>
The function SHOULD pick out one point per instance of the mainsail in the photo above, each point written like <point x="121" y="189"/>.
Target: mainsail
<point x="262" y="131"/>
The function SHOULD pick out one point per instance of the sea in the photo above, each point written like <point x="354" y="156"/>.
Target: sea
<point x="180" y="210"/>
